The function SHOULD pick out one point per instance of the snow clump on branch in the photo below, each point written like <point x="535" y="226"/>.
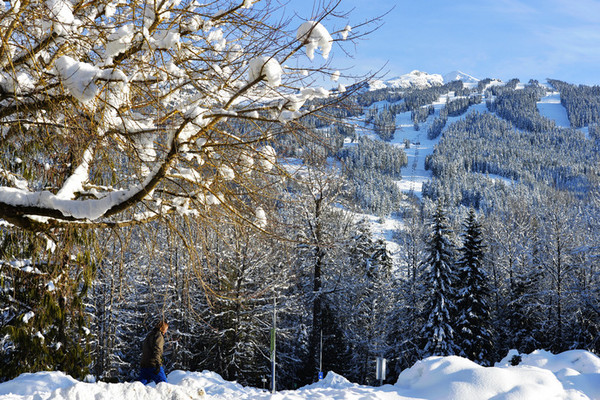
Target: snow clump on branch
<point x="248" y="3"/>
<point x="268" y="157"/>
<point x="346" y="32"/>
<point x="62" y="15"/>
<point x="267" y="67"/>
<point x="315" y="36"/>
<point x="119" y="41"/>
<point x="261" y="217"/>
<point x="78" y="77"/>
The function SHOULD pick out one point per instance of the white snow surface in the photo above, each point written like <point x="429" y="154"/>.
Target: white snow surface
<point x="550" y="107"/>
<point x="572" y="375"/>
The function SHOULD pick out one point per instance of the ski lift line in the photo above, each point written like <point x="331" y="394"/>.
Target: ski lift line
<point x="414" y="167"/>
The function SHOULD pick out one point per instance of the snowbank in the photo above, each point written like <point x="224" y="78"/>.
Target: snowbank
<point x="458" y="378"/>
<point x="42" y="382"/>
<point x="572" y="375"/>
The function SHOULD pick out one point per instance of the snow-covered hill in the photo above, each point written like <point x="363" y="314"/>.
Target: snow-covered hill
<point x="572" y="375"/>
<point x="420" y="79"/>
<point x="459" y="76"/>
<point x="414" y="174"/>
<point x="416" y="79"/>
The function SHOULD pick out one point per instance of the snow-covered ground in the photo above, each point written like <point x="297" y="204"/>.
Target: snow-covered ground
<point x="549" y="106"/>
<point x="573" y="375"/>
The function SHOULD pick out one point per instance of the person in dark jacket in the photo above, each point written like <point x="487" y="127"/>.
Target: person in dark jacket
<point x="151" y="368"/>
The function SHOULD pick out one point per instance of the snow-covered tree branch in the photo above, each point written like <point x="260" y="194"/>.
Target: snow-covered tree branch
<point x="118" y="112"/>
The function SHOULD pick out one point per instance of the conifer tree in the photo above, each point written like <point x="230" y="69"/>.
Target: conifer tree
<point x="43" y="317"/>
<point x="439" y="279"/>
<point x="369" y="304"/>
<point x="407" y="315"/>
<point x="473" y="335"/>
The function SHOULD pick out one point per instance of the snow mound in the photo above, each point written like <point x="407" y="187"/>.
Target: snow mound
<point x="458" y="378"/>
<point x="134" y="390"/>
<point x="576" y="369"/>
<point x="211" y="382"/>
<point x="459" y="76"/>
<point x="414" y="79"/>
<point x="332" y="381"/>
<point x="581" y="361"/>
<point x="40" y="382"/>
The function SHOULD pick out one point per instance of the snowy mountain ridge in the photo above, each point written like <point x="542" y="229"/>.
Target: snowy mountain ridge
<point x="420" y="80"/>
<point x="459" y="76"/>
<point x="414" y="79"/>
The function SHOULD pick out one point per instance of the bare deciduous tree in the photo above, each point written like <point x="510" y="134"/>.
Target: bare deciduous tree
<point x="115" y="113"/>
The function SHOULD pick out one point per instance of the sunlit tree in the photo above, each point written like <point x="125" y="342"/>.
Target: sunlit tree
<point x="114" y="113"/>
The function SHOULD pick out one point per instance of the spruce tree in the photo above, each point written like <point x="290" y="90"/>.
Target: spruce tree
<point x="43" y="316"/>
<point x="439" y="279"/>
<point x="473" y="335"/>
<point x="368" y="305"/>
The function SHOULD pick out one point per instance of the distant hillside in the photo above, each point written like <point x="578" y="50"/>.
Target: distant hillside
<point x="519" y="138"/>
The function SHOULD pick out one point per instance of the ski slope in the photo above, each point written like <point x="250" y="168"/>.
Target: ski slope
<point x="414" y="174"/>
<point x="551" y="108"/>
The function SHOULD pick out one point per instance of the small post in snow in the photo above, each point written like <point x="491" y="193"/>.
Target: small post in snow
<point x="321" y="357"/>
<point x="380" y="370"/>
<point x="273" y="344"/>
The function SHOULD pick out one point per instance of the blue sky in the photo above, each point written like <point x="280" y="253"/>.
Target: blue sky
<point x="533" y="39"/>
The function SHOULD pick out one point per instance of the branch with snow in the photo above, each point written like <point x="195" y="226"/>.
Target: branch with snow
<point x="126" y="108"/>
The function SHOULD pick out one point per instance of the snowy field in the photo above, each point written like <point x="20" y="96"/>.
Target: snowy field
<point x="573" y="375"/>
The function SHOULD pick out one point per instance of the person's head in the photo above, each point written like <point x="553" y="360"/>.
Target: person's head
<point x="162" y="326"/>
